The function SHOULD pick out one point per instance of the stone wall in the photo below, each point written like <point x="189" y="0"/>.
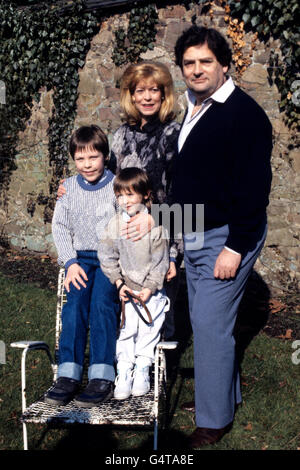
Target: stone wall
<point x="22" y="217"/>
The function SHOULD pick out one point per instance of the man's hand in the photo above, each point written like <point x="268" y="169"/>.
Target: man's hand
<point x="171" y="271"/>
<point x="76" y="275"/>
<point x="227" y="264"/>
<point x="61" y="189"/>
<point x="138" y="226"/>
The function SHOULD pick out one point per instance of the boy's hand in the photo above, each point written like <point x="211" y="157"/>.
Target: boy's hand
<point x="138" y="226"/>
<point x="61" y="189"/>
<point x="75" y="274"/>
<point x="171" y="271"/>
<point x="145" y="294"/>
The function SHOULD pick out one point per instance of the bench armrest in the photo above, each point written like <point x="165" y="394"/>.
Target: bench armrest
<point x="29" y="346"/>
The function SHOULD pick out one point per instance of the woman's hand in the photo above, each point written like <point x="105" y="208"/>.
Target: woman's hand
<point x="76" y="275"/>
<point x="171" y="271"/>
<point x="138" y="226"/>
<point x="61" y="189"/>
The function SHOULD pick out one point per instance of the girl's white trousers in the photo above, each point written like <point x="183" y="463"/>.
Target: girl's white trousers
<point x="137" y="341"/>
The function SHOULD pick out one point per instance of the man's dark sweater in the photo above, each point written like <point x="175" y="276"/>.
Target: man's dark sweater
<point x="225" y="165"/>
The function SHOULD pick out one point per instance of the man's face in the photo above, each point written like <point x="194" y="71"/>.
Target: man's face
<point x="202" y="73"/>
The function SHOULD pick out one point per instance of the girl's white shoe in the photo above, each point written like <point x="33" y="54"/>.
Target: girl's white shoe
<point x="123" y="382"/>
<point x="141" y="381"/>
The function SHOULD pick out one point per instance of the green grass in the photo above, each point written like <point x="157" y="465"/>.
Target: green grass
<point x="267" y="420"/>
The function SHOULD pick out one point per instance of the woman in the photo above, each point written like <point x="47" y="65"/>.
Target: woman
<point x="148" y="140"/>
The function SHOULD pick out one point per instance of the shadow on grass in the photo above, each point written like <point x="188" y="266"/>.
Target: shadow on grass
<point x="110" y="439"/>
<point x="251" y="319"/>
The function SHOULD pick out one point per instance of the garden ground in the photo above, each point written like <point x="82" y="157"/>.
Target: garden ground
<point x="269" y="418"/>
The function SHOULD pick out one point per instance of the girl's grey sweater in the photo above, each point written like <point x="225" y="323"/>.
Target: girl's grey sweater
<point x="142" y="263"/>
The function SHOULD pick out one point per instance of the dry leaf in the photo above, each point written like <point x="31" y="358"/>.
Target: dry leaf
<point x="248" y="427"/>
<point x="288" y="334"/>
<point x="276" y="306"/>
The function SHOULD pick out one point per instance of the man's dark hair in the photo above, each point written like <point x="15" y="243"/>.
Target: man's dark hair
<point x="199" y="35"/>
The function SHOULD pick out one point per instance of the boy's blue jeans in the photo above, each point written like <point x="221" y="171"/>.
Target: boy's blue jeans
<point x="96" y="307"/>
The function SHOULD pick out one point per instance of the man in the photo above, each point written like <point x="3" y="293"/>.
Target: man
<point x="223" y="162"/>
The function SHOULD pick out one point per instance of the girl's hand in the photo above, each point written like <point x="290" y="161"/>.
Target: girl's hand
<point x="138" y="226"/>
<point x="76" y="275"/>
<point x="171" y="271"/>
<point x="145" y="294"/>
<point x="122" y="294"/>
<point x="61" y="189"/>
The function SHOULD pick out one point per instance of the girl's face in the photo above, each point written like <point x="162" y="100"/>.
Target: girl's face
<point x="131" y="202"/>
<point x="89" y="163"/>
<point x="147" y="98"/>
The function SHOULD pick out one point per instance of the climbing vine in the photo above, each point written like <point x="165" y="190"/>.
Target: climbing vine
<point x="279" y="19"/>
<point x="45" y="45"/>
<point x="42" y="46"/>
<point x="139" y="37"/>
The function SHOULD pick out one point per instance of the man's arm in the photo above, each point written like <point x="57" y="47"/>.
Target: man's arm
<point x="251" y="179"/>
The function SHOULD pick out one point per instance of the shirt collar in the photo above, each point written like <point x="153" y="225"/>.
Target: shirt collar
<point x="220" y="95"/>
<point x="126" y="217"/>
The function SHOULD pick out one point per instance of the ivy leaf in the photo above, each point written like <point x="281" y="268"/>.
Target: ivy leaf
<point x="246" y="17"/>
<point x="255" y="20"/>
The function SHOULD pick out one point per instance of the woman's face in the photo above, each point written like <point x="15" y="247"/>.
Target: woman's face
<point x="147" y="99"/>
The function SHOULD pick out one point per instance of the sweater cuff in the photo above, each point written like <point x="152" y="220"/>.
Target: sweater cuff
<point x="70" y="262"/>
<point x="151" y="285"/>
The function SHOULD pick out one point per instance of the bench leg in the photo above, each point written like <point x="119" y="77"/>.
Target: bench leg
<point x="25" y="440"/>
<point x="155" y="437"/>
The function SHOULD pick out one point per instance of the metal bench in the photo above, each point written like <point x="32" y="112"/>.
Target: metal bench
<point x="137" y="411"/>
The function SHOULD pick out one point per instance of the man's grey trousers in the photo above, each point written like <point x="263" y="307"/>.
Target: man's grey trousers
<point x="213" y="305"/>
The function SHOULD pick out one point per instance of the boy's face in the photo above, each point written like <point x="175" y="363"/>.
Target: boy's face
<point x="89" y="164"/>
<point x="130" y="201"/>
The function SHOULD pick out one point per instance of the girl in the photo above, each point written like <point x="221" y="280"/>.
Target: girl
<point x="138" y="267"/>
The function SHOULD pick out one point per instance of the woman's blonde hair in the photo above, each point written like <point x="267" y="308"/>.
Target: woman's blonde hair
<point x="160" y="74"/>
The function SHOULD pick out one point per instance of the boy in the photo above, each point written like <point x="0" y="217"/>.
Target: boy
<point x="79" y="219"/>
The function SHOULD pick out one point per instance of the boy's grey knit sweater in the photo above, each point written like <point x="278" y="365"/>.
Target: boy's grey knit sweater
<point x="81" y="215"/>
<point x="142" y="263"/>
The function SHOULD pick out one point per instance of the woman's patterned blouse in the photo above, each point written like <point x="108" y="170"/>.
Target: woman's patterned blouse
<point x="151" y="148"/>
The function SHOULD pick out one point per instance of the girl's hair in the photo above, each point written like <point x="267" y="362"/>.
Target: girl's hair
<point x="134" y="179"/>
<point x="160" y="74"/>
<point x="89" y="137"/>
